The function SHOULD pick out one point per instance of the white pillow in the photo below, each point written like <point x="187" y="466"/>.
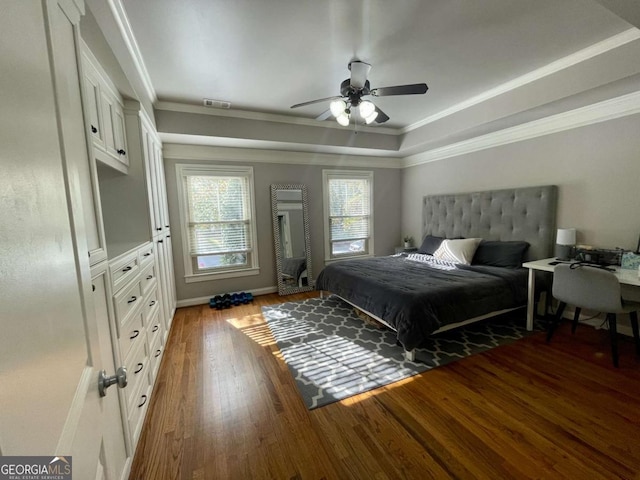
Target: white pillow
<point x="458" y="251"/>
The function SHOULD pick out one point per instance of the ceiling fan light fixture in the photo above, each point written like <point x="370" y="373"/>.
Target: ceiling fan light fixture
<point x="371" y="117"/>
<point x="343" y="119"/>
<point x="337" y="108"/>
<point x="366" y="109"/>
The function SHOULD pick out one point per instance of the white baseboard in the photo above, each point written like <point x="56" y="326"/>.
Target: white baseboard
<point x="190" y="302"/>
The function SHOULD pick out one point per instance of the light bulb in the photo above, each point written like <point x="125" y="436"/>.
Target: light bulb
<point x="366" y="108"/>
<point x="371" y="117"/>
<point x="343" y="119"/>
<point x="337" y="108"/>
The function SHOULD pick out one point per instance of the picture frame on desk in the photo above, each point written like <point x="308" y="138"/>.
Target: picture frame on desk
<point x="630" y="261"/>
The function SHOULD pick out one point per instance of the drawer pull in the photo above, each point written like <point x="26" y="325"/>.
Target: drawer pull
<point x="144" y="400"/>
<point x="132" y="299"/>
<point x="126" y="269"/>
<point x="153" y="302"/>
<point x="94" y="129"/>
<point x="158" y="352"/>
<point x="155" y="328"/>
<point x="159" y="228"/>
<point x="149" y="277"/>
<point x="121" y="152"/>
<point x="140" y="367"/>
<point x="135" y="334"/>
<point x="160" y="241"/>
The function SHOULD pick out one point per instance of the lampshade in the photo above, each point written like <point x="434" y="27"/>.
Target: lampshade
<point x="337" y="108"/>
<point x="343" y="119"/>
<point x="366" y="109"/>
<point x="566" y="236"/>
<point x="371" y="117"/>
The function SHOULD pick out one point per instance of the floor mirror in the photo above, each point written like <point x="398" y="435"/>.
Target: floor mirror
<point x="289" y="209"/>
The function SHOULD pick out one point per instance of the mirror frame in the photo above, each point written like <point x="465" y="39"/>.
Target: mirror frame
<point x="277" y="242"/>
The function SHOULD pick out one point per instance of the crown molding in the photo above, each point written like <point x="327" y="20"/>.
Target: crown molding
<point x="594" y="50"/>
<point x="617" y="107"/>
<point x="122" y="20"/>
<point x="176" y="151"/>
<point x="266" y="117"/>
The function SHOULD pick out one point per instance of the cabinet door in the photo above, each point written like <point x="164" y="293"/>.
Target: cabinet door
<point x="107" y="103"/>
<point x="171" y="279"/>
<point x="162" y="278"/>
<point x="114" y="418"/>
<point x="153" y="181"/>
<point x="92" y="105"/>
<point x="119" y="137"/>
<point x="162" y="189"/>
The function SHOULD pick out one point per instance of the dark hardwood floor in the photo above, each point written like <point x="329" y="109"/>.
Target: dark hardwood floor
<point x="226" y="406"/>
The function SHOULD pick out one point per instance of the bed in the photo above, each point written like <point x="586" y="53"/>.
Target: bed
<point x="418" y="295"/>
<point x="294" y="271"/>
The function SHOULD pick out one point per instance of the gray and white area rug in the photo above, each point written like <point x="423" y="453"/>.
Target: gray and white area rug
<point x="333" y="354"/>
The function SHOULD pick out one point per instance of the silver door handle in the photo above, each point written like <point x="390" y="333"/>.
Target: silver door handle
<point x="105" y="382"/>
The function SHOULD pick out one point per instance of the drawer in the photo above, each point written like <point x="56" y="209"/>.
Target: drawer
<point x="124" y="270"/>
<point x="126" y="302"/>
<point x="154" y="328"/>
<point x="148" y="278"/>
<point x="146" y="255"/>
<point x="155" y="356"/>
<point x="131" y="335"/>
<point x="138" y="367"/>
<point x="138" y="409"/>
<point x="151" y="304"/>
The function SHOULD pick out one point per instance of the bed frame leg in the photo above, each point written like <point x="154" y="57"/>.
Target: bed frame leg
<point x="410" y="355"/>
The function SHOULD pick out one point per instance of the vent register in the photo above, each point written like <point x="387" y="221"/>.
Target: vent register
<point x="216" y="103"/>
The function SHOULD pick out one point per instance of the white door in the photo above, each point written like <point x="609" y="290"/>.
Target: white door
<point x="50" y="352"/>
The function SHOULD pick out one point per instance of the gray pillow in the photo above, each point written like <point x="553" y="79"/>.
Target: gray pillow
<point x="500" y="254"/>
<point x="430" y="244"/>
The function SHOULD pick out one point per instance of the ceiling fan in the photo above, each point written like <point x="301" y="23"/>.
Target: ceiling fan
<point x="351" y="92"/>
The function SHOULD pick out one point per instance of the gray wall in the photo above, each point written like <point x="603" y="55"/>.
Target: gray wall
<point x="597" y="170"/>
<point x="386" y="221"/>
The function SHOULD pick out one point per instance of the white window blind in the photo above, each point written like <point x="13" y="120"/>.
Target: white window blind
<point x="218" y="223"/>
<point x="219" y="215"/>
<point x="348" y="201"/>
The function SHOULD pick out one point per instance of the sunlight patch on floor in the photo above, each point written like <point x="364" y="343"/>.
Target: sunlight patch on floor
<point x="254" y="327"/>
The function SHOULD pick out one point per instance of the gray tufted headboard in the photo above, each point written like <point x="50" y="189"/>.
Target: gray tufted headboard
<point x="513" y="214"/>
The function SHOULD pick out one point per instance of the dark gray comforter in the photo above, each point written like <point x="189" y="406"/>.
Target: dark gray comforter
<point x="417" y="298"/>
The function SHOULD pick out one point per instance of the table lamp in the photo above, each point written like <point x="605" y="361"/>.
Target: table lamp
<point x="565" y="242"/>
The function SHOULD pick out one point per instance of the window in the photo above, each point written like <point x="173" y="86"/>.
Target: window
<point x="218" y="221"/>
<point x="348" y="212"/>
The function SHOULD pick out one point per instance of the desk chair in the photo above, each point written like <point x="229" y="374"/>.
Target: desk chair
<point x="594" y="289"/>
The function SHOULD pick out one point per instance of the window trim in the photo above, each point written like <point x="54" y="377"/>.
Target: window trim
<point x="346" y="174"/>
<point x="189" y="169"/>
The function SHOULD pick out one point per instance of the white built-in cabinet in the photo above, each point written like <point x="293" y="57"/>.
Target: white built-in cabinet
<point x="104" y="116"/>
<point x="138" y="335"/>
<point x="145" y="142"/>
<point x="127" y="198"/>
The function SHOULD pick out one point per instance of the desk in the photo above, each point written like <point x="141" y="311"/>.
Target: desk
<point x="625" y="277"/>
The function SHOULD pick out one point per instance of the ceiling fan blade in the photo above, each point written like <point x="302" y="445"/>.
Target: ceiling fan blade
<point x="324" y="115"/>
<point x="382" y="117"/>
<point x="359" y="73"/>
<point x="320" y="100"/>
<point x="413" y="89"/>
